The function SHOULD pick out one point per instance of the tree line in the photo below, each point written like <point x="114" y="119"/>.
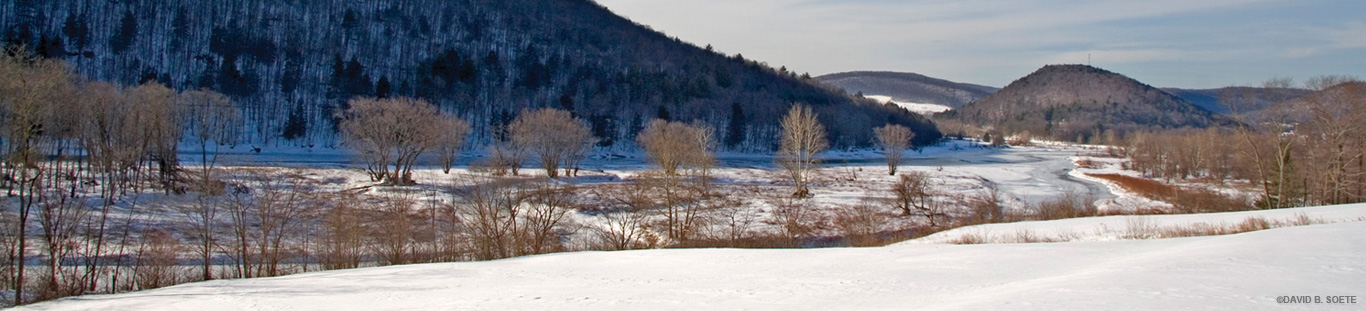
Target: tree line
<point x="83" y="162"/>
<point x="291" y="67"/>
<point x="1301" y="152"/>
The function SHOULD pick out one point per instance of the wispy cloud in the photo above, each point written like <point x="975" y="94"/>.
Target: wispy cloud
<point x="995" y="41"/>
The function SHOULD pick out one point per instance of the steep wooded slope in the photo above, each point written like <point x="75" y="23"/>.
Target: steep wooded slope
<point x="297" y="62"/>
<point x="1077" y="102"/>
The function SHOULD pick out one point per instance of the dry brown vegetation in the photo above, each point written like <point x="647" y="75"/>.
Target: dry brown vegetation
<point x="1139" y="227"/>
<point x="1184" y="200"/>
<point x="1143" y="227"/>
<point x="1296" y="153"/>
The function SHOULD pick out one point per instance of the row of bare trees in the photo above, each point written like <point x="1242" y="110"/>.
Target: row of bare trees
<point x="390" y="134"/>
<point x="82" y="158"/>
<point x="74" y="155"/>
<point x="1303" y="151"/>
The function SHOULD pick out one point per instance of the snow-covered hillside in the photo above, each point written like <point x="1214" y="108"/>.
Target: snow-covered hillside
<point x="925" y="109"/>
<point x="1232" y="272"/>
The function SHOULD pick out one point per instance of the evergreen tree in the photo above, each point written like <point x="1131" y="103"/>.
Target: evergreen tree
<point x="77" y="30"/>
<point x="289" y="80"/>
<point x="663" y="114"/>
<point x="605" y="129"/>
<point x="123" y="38"/>
<point x="735" y="131"/>
<point x="296" y="125"/>
<point x="567" y="103"/>
<point x="336" y="91"/>
<point x="382" y="88"/>
<point x="50" y="47"/>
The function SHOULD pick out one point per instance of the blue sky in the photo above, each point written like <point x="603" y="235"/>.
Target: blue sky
<point x="1166" y="43"/>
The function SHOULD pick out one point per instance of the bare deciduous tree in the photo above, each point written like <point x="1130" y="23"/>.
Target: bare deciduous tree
<point x="392" y="234"/>
<point x="625" y="215"/>
<point x="26" y="93"/>
<point x="395" y="131"/>
<point x="505" y="156"/>
<point x="161" y="130"/>
<point x="554" y="135"/>
<point x="792" y="216"/>
<point x="453" y="132"/>
<point x="680" y="201"/>
<point x="1335" y="119"/>
<point x="547" y="205"/>
<point x="675" y="144"/>
<point x="202" y="221"/>
<point x="913" y="196"/>
<point x="343" y="238"/>
<point x="158" y="260"/>
<point x="860" y="222"/>
<point x="265" y="209"/>
<point x="491" y="211"/>
<point x="893" y="139"/>
<point x="212" y="118"/>
<point x="507" y="217"/>
<point x="803" y="137"/>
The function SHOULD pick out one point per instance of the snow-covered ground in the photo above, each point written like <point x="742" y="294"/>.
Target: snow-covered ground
<point x="1140" y="226"/>
<point x="1022" y="175"/>
<point x="1232" y="272"/>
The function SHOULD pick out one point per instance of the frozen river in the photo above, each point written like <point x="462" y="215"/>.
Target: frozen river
<point x="1026" y="174"/>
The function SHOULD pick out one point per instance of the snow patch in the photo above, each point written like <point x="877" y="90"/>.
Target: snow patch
<point x="925" y="109"/>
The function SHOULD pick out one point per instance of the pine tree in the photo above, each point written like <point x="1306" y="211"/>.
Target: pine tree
<point x="382" y="88"/>
<point x="735" y="131"/>
<point x="76" y="30"/>
<point x="297" y="124"/>
<point x="123" y="39"/>
<point x="663" y="114"/>
<point x="180" y="29"/>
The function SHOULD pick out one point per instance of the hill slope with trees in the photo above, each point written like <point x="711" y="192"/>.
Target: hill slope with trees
<point x="1078" y="102"/>
<point x="291" y="65"/>
<point x="1251" y="98"/>
<point x="908" y="87"/>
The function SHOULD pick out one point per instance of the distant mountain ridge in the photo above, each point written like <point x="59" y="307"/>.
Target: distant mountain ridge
<point x="1250" y="98"/>
<point x="908" y="87"/>
<point x="1078" y="102"/>
<point x="1329" y="103"/>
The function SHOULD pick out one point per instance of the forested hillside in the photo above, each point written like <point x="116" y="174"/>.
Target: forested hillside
<point x="1078" y="103"/>
<point x="290" y="65"/>
<point x="1251" y="98"/>
<point x="908" y="87"/>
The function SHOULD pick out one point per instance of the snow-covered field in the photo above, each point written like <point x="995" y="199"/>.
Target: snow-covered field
<point x="1232" y="272"/>
<point x="925" y="109"/>
<point x="958" y="169"/>
<point x="1093" y="263"/>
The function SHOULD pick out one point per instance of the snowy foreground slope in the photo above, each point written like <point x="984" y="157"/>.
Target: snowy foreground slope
<point x="1233" y="272"/>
